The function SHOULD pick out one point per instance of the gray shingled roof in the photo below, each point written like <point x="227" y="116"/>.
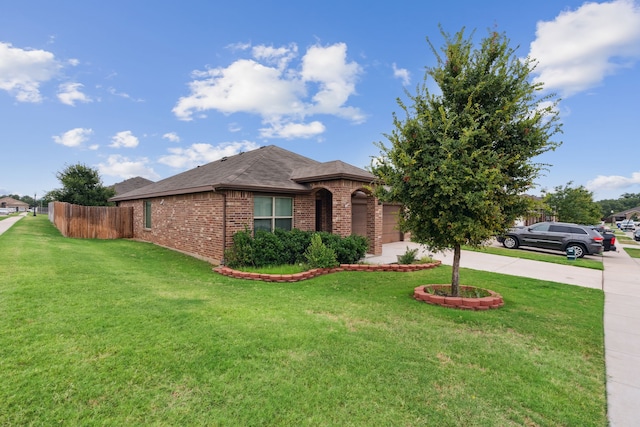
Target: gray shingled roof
<point x="131" y="184"/>
<point x="269" y="169"/>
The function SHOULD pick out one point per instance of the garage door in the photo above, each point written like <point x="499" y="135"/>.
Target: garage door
<point x="390" y="232"/>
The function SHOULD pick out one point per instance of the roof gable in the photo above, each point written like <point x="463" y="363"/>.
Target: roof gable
<point x="331" y="170"/>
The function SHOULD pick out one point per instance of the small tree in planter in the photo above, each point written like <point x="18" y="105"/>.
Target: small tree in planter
<point x="461" y="161"/>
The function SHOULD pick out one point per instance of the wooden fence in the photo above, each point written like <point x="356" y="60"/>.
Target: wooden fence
<point x="92" y="222"/>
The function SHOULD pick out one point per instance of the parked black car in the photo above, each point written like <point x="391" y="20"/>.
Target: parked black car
<point x="636" y="235"/>
<point x="609" y="238"/>
<point x="560" y="236"/>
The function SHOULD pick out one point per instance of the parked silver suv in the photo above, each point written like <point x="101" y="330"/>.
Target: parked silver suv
<point x="558" y="236"/>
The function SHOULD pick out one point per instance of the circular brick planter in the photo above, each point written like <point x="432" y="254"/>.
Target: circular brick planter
<point x="485" y="303"/>
<point x="230" y="272"/>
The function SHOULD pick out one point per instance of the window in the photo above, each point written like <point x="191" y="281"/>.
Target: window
<point x="270" y="213"/>
<point x="147" y="214"/>
<point x="540" y="227"/>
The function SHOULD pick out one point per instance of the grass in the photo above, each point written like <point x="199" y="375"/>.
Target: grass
<point x="532" y="254"/>
<point x="127" y="333"/>
<point x="633" y="252"/>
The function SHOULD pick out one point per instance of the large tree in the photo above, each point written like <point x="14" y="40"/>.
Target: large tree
<point x="461" y="160"/>
<point x="81" y="185"/>
<point x="573" y="204"/>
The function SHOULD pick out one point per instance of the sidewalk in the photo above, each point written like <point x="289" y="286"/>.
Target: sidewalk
<point x="622" y="338"/>
<point x="620" y="282"/>
<point x="6" y="224"/>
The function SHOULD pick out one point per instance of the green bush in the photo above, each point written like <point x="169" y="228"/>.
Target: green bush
<point x="318" y="255"/>
<point x="268" y="249"/>
<point x="408" y="257"/>
<point x="288" y="247"/>
<point x="241" y="252"/>
<point x="294" y="244"/>
<point x="350" y="250"/>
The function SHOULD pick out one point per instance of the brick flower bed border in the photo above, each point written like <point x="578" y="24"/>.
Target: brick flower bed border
<point x="493" y="301"/>
<point x="229" y="272"/>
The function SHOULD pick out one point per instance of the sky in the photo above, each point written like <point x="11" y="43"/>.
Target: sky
<point x="153" y="88"/>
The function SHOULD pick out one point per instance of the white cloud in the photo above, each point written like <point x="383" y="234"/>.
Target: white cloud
<point x="244" y="86"/>
<point x="123" y="167"/>
<point x="74" y="137"/>
<point x="328" y="67"/>
<point x="198" y="154"/>
<point x="613" y="182"/>
<point x="402" y="74"/>
<point x="69" y="93"/>
<point x="293" y="130"/>
<point x="272" y="87"/>
<point x="22" y="71"/>
<point x="171" y="136"/>
<point x="124" y="95"/>
<point x="580" y="48"/>
<point x="124" y="139"/>
<point x="280" y="56"/>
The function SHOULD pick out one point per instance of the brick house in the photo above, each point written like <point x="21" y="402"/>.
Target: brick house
<point x="13" y="204"/>
<point x="198" y="211"/>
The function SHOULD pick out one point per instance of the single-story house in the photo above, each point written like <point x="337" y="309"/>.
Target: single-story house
<point x="198" y="211"/>
<point x="13" y="204"/>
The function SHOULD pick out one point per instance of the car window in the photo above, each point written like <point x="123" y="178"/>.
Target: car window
<point x="540" y="227"/>
<point x="560" y="229"/>
<point x="577" y="230"/>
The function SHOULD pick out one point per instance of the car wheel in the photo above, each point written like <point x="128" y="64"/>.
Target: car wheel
<point x="510" y="242"/>
<point x="577" y="249"/>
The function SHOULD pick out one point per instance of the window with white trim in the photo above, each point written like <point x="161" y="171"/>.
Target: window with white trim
<point x="270" y="213"/>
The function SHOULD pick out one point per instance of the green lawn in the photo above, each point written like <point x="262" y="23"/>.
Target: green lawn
<point x="126" y="333"/>
<point x="633" y="252"/>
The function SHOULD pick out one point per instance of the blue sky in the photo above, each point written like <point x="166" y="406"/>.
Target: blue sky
<point x="142" y="88"/>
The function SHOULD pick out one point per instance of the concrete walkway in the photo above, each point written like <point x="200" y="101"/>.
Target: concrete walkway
<point x="620" y="282"/>
<point x="6" y="224"/>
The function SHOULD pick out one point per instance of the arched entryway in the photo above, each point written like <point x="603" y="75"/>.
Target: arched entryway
<point x="324" y="210"/>
<point x="359" y="213"/>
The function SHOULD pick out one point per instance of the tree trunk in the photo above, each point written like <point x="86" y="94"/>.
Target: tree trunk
<point x="455" y="273"/>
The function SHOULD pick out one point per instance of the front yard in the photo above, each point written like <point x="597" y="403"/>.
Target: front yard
<point x="127" y="333"/>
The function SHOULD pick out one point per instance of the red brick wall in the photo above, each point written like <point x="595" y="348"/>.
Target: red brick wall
<point x="195" y="223"/>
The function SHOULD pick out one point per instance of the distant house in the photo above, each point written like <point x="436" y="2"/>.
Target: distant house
<point x="130" y="185"/>
<point x="627" y="214"/>
<point x="199" y="210"/>
<point x="13" y="204"/>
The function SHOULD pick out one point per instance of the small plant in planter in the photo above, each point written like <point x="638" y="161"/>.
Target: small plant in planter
<point x="408" y="257"/>
<point x="465" y="291"/>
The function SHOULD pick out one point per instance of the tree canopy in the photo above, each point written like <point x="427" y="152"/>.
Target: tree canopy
<point x="81" y="185"/>
<point x="573" y="204"/>
<point x="460" y="162"/>
<point x="623" y="203"/>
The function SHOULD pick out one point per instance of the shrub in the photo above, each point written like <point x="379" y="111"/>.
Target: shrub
<point x="318" y="255"/>
<point x="350" y="250"/>
<point x="408" y="257"/>
<point x="268" y="249"/>
<point x="294" y="244"/>
<point x="288" y="247"/>
<point x="241" y="252"/>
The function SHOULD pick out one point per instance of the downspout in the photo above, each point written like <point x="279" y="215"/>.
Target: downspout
<point x="224" y="225"/>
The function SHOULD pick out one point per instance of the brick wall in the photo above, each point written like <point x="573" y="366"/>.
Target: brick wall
<point x="190" y="223"/>
<point x="195" y="223"/>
